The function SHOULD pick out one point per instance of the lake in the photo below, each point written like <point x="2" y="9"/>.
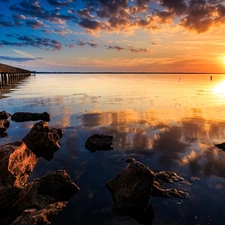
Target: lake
<point x="166" y="121"/>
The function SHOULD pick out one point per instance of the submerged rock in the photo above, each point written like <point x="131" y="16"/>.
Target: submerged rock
<point x="4" y="125"/>
<point x="4" y="115"/>
<point x="28" y="116"/>
<point x="99" y="142"/>
<point x="168" y="177"/>
<point x="42" y="140"/>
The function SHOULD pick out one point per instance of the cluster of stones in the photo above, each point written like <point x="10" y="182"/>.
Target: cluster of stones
<point x="34" y="202"/>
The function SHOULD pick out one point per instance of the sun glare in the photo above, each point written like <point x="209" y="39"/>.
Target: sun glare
<point x="223" y="59"/>
<point x="220" y="88"/>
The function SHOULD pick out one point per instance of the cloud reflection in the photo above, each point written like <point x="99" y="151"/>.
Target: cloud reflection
<point x="190" y="142"/>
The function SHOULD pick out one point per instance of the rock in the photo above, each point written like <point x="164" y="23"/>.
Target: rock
<point x="42" y="140"/>
<point x="4" y="115"/>
<point x="131" y="189"/>
<point x="16" y="164"/>
<point x="4" y="125"/>
<point x="39" y="199"/>
<point x="221" y="146"/>
<point x="168" y="177"/>
<point x="54" y="187"/>
<point x="99" y="142"/>
<point x="28" y="116"/>
<point x="39" y="217"/>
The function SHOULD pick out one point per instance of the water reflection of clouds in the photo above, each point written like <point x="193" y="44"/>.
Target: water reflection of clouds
<point x="188" y="142"/>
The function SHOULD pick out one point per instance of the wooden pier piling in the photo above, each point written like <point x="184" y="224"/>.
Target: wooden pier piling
<point x="10" y="74"/>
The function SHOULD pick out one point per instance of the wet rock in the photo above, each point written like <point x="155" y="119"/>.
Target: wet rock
<point x="168" y="177"/>
<point x="131" y="189"/>
<point x="40" y="198"/>
<point x="221" y="146"/>
<point x="4" y="125"/>
<point x="16" y="164"/>
<point x="54" y="187"/>
<point x="28" y="116"/>
<point x="39" y="217"/>
<point x="42" y="140"/>
<point x="4" y="115"/>
<point x="99" y="142"/>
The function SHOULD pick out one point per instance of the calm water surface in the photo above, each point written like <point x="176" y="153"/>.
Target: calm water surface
<point x="167" y="122"/>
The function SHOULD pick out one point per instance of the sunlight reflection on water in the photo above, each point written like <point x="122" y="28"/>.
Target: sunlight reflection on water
<point x="168" y="122"/>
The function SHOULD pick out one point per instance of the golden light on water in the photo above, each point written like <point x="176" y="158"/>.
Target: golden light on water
<point x="219" y="89"/>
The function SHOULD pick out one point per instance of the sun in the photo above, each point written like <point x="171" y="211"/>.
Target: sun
<point x="219" y="89"/>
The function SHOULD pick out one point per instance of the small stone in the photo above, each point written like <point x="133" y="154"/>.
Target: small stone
<point x="28" y="116"/>
<point x="99" y="142"/>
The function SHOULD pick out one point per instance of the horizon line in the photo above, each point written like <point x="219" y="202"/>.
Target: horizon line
<point x="120" y="72"/>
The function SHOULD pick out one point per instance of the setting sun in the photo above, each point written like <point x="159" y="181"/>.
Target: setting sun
<point x="220" y="88"/>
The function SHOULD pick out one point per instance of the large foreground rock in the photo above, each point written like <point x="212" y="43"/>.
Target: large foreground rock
<point x="28" y="116"/>
<point x="4" y="125"/>
<point x="131" y="189"/>
<point x="4" y="115"/>
<point x="54" y="187"/>
<point x="16" y="164"/>
<point x="29" y="203"/>
<point x="42" y="140"/>
<point x="38" y="198"/>
<point x="99" y="142"/>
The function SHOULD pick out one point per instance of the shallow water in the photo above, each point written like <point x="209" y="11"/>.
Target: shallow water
<point x="167" y="122"/>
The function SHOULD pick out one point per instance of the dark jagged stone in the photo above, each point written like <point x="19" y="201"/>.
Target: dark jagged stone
<point x="221" y="146"/>
<point x="54" y="187"/>
<point x="4" y="125"/>
<point x="99" y="142"/>
<point x="28" y="116"/>
<point x="4" y="115"/>
<point x="131" y="188"/>
<point x="42" y="140"/>
<point x="41" y="195"/>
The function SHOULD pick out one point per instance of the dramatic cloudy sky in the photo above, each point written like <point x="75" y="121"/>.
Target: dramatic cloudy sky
<point x="113" y="35"/>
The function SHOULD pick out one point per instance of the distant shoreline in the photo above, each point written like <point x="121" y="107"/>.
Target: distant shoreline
<point x="123" y="73"/>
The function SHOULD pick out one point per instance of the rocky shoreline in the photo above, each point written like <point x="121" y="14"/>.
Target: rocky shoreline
<point x="35" y="202"/>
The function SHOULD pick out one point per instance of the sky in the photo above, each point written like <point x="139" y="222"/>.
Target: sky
<point x="113" y="35"/>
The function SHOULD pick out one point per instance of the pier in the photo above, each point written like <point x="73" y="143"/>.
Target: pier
<point x="10" y="75"/>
